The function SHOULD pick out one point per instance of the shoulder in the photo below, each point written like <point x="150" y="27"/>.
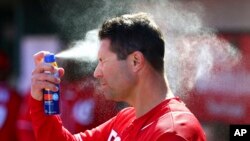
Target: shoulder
<point x="123" y="119"/>
<point x="179" y="122"/>
<point x="126" y="112"/>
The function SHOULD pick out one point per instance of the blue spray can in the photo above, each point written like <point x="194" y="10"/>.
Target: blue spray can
<point x="51" y="98"/>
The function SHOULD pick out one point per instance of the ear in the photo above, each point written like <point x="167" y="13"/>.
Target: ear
<point x="136" y="60"/>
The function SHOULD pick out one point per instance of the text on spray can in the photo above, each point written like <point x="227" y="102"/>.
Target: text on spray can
<point x="51" y="98"/>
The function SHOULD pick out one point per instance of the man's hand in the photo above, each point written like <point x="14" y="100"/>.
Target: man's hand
<point x="41" y="80"/>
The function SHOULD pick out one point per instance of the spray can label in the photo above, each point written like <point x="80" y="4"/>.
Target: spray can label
<point x="51" y="99"/>
<point x="51" y="102"/>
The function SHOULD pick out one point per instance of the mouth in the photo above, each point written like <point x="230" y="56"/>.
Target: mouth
<point x="102" y="83"/>
<point x="102" y="87"/>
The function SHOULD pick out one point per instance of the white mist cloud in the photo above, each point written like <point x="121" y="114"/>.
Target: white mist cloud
<point x="85" y="49"/>
<point x="192" y="49"/>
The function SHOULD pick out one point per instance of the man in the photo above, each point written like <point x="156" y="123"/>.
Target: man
<point x="130" y="69"/>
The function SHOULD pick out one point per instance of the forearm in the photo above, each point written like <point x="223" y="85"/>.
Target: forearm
<point x="47" y="127"/>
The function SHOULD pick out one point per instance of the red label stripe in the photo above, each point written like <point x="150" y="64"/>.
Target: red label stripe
<point x="47" y="96"/>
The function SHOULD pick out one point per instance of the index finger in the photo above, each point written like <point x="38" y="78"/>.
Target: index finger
<point x="38" y="57"/>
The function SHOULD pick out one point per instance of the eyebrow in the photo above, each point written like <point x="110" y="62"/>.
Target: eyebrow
<point x="101" y="59"/>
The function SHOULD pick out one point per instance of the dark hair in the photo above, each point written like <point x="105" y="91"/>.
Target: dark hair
<point x="135" y="32"/>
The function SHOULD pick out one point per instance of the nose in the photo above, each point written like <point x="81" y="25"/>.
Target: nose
<point x="97" y="72"/>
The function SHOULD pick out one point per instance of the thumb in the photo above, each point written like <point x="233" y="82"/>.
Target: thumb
<point x="38" y="57"/>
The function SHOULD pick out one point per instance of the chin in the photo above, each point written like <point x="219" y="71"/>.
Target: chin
<point x="110" y="96"/>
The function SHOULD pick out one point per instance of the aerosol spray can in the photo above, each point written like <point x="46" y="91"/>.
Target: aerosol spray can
<point x="51" y="98"/>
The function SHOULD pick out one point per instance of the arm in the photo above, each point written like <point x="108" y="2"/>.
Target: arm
<point x="45" y="127"/>
<point x="50" y="127"/>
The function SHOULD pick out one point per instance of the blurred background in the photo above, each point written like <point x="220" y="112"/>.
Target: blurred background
<point x="208" y="52"/>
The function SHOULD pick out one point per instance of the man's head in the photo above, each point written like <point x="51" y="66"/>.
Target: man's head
<point x="130" y="46"/>
<point x="135" y="32"/>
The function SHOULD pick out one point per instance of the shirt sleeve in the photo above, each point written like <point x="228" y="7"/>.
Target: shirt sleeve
<point x="45" y="127"/>
<point x="50" y="128"/>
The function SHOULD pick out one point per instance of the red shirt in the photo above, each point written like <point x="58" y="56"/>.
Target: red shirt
<point x="81" y="108"/>
<point x="168" y="121"/>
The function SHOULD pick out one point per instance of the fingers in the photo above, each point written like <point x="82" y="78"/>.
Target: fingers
<point x="42" y="81"/>
<point x="46" y="77"/>
<point x="38" y="86"/>
<point x="37" y="89"/>
<point x="38" y="57"/>
<point x="42" y="68"/>
<point x="61" y="72"/>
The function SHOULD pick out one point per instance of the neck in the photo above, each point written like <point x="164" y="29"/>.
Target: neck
<point x="151" y="90"/>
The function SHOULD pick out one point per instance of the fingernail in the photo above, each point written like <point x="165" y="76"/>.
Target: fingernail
<point x="56" y="89"/>
<point x="58" y="80"/>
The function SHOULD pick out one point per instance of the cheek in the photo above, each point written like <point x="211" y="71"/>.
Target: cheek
<point x="109" y="74"/>
<point x="118" y="74"/>
<point x="126" y="75"/>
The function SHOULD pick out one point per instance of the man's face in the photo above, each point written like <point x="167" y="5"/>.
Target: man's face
<point x="115" y="76"/>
